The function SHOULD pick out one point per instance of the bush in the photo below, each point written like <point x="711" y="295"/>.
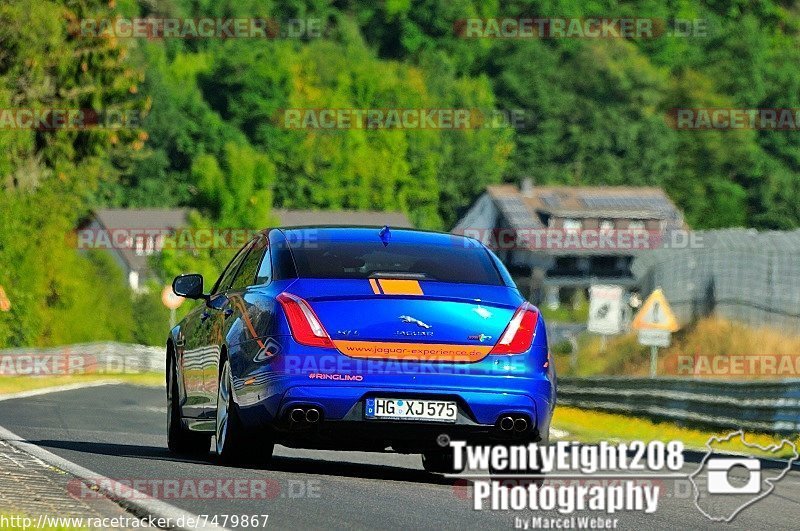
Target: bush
<point x="150" y="317"/>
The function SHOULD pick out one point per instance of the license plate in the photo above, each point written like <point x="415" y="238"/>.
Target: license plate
<point x="411" y="409"/>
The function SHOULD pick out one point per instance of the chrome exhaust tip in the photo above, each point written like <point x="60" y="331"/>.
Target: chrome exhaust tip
<point x="520" y="424"/>
<point x="506" y="423"/>
<point x="312" y="415"/>
<point x="297" y="415"/>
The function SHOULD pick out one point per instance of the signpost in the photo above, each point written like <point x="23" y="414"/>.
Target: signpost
<point x="172" y="302"/>
<point x="605" y="310"/>
<point x="655" y="323"/>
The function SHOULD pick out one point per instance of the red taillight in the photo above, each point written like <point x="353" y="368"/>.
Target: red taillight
<point x="303" y="322"/>
<point x="518" y="335"/>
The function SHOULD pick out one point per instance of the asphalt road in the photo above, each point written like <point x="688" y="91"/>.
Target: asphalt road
<point x="118" y="431"/>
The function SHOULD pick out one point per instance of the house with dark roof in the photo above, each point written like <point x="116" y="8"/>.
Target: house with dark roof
<point x="558" y="239"/>
<point x="133" y="235"/>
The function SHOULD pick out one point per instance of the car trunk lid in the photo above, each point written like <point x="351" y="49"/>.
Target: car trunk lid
<point x="365" y="317"/>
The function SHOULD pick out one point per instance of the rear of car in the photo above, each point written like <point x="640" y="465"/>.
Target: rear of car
<point x="391" y="338"/>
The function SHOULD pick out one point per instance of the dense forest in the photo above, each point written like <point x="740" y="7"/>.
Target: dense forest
<point x="595" y="113"/>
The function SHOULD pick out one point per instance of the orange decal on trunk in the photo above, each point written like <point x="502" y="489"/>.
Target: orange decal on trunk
<point x="375" y="289"/>
<point x="400" y="287"/>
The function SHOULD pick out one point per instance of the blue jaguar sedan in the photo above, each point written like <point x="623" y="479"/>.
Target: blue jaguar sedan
<point x="371" y="339"/>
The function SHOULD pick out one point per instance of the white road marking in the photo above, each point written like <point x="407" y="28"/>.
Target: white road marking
<point x="58" y="389"/>
<point x="160" y="410"/>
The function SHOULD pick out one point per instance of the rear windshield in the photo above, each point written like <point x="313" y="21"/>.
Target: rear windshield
<point x="443" y="263"/>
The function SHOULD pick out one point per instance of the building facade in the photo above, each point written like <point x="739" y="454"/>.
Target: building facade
<point x="556" y="240"/>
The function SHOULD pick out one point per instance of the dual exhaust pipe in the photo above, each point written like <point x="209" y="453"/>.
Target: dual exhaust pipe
<point x="305" y="415"/>
<point x="515" y="423"/>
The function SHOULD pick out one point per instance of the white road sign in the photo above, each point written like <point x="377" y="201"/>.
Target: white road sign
<point x="605" y="309"/>
<point x="654" y="338"/>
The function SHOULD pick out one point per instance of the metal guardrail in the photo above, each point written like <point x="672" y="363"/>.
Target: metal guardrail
<point x="100" y="358"/>
<point x="769" y="407"/>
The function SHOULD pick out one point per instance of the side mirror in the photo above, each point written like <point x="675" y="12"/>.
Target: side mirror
<point x="189" y="286"/>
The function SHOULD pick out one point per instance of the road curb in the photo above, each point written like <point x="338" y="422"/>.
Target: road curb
<point x="140" y="505"/>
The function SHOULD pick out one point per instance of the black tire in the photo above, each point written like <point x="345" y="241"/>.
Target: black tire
<point x="439" y="462"/>
<point x="179" y="439"/>
<point x="234" y="444"/>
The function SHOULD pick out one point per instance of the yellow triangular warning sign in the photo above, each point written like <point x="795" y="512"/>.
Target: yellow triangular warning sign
<point x="655" y="314"/>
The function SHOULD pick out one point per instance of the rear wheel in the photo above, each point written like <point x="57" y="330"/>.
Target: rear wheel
<point x="233" y="443"/>
<point x="179" y="439"/>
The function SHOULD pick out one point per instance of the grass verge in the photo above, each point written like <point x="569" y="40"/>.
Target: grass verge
<point x="595" y="426"/>
<point x="710" y="338"/>
<point x="18" y="384"/>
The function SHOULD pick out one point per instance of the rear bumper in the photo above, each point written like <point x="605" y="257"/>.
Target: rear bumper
<point x="346" y="403"/>
<point x="338" y="385"/>
<point x="481" y="401"/>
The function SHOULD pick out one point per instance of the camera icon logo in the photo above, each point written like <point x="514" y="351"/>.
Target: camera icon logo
<point x="726" y="483"/>
<point x="722" y="478"/>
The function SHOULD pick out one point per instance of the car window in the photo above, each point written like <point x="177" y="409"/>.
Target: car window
<point x="282" y="262"/>
<point x="264" y="275"/>
<point x="366" y="259"/>
<point x="247" y="271"/>
<point x="230" y="270"/>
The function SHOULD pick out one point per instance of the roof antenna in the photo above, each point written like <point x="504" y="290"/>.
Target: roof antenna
<point x="385" y="235"/>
